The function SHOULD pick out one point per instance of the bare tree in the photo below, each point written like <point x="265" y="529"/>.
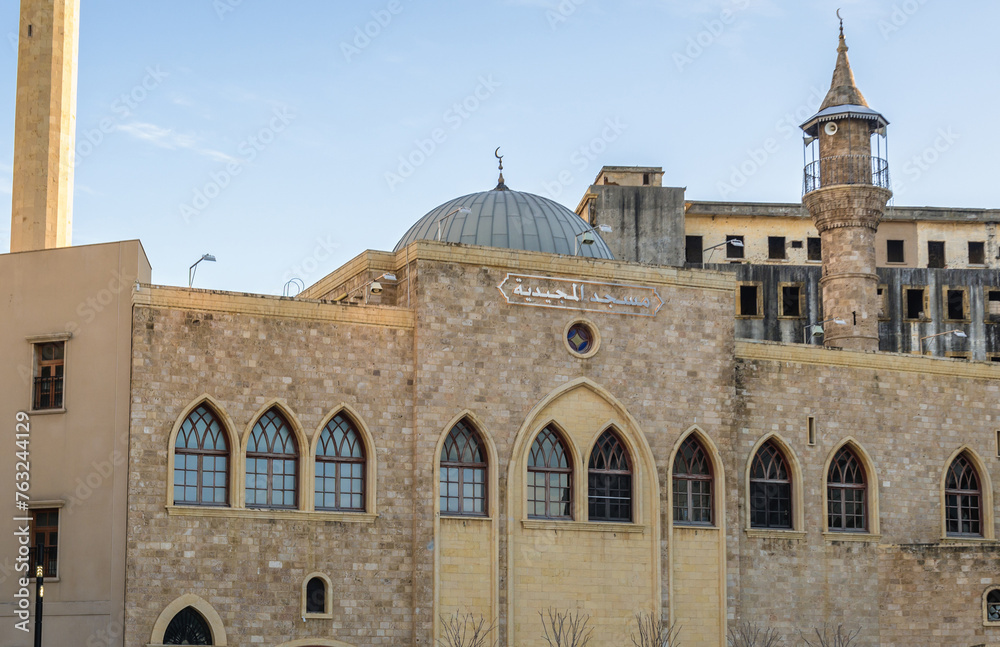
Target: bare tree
<point x="654" y="631"/>
<point x="838" y="638"/>
<point x="466" y="631"/>
<point x="747" y="634"/>
<point x="566" y="628"/>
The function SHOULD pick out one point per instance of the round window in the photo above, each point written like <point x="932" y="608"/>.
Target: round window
<point x="582" y="338"/>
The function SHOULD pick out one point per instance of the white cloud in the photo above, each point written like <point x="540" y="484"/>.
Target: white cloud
<point x="170" y="140"/>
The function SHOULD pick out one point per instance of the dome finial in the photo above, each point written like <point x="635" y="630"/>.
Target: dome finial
<point x="500" y="185"/>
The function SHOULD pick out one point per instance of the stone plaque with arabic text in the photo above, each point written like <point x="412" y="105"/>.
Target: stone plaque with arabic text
<point x="576" y="294"/>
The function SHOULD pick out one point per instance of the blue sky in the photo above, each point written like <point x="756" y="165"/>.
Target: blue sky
<point x="287" y="137"/>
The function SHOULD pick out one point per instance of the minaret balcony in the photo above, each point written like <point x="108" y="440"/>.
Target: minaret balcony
<point x="846" y="169"/>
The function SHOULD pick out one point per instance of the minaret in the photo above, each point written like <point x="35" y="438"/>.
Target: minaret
<point x="846" y="189"/>
<point x="45" y="125"/>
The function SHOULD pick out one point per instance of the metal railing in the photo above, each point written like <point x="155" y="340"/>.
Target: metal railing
<point x="48" y="392"/>
<point x="48" y="557"/>
<point x="846" y="169"/>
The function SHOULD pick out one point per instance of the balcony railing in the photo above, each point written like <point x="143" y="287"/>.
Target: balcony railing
<point x="846" y="169"/>
<point x="48" y="392"/>
<point x="48" y="557"/>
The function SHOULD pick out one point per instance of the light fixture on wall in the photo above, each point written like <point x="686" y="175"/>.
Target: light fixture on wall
<point x="587" y="237"/>
<point x="194" y="268"/>
<point x="957" y="333"/>
<point x="817" y="328"/>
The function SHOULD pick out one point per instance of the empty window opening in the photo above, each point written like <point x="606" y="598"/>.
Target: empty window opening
<point x="935" y="254"/>
<point x="796" y="244"/>
<point x="812" y="430"/>
<point x="894" y="251"/>
<point x="693" y="249"/>
<point x="995" y="358"/>
<point x="748" y="301"/>
<point x="734" y="251"/>
<point x="814" y="249"/>
<point x="883" y="302"/>
<point x="790" y="301"/>
<point x="316" y="596"/>
<point x="776" y="247"/>
<point x="645" y="179"/>
<point x="956" y="304"/>
<point x="915" y="303"/>
<point x="993" y="302"/>
<point x="977" y="253"/>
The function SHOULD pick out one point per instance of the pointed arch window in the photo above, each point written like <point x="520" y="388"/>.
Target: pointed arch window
<point x="991" y="607"/>
<point x="272" y="463"/>
<point x="609" y="478"/>
<point x="692" y="484"/>
<point x="340" y="467"/>
<point x="963" y="498"/>
<point x="201" y="460"/>
<point x="770" y="489"/>
<point x="846" y="493"/>
<point x="188" y="627"/>
<point x="463" y="472"/>
<point x="550" y="477"/>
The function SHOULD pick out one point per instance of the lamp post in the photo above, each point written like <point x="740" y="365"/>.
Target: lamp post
<point x="817" y="328"/>
<point x="588" y="237"/>
<point x="194" y="268"/>
<point x="447" y="215"/>
<point x="957" y="333"/>
<point x="735" y="242"/>
<point x="39" y="594"/>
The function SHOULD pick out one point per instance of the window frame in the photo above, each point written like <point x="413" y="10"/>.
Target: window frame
<point x="789" y="481"/>
<point x="986" y="605"/>
<point x="926" y="303"/>
<point x="818" y="244"/>
<point x="902" y="251"/>
<point x="201" y="454"/>
<point x="51" y="508"/>
<point x="987" y="316"/>
<point x="733" y="252"/>
<point x="36" y="342"/>
<point x="570" y="485"/>
<point x="692" y="478"/>
<point x="338" y="461"/>
<point x="772" y="246"/>
<point x="882" y="296"/>
<point x="327" y="611"/>
<point x="739" y="299"/>
<point x="461" y="466"/>
<point x="629" y="472"/>
<point x="833" y="486"/>
<point x="197" y="614"/>
<point x="982" y="248"/>
<point x="945" y="310"/>
<point x="688" y="241"/>
<point x="944" y="254"/>
<point x="801" y="300"/>
<point x="271" y="457"/>
<point x="958" y="492"/>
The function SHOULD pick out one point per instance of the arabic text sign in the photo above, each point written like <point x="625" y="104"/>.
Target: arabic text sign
<point x="576" y="294"/>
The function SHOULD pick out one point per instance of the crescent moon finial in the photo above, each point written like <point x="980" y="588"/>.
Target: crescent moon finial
<point x="841" y="23"/>
<point x="497" y="154"/>
<point x="838" y="15"/>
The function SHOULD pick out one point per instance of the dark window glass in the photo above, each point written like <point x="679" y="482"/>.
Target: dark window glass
<point x="935" y="253"/>
<point x="316" y="596"/>
<point x="993" y="606"/>
<point x="732" y="251"/>
<point x="814" y="249"/>
<point x="977" y="253"/>
<point x="580" y="338"/>
<point x="770" y="489"/>
<point x="963" y="499"/>
<point x="692" y="484"/>
<point x="795" y="244"/>
<point x="790" y="305"/>
<point x="915" y="303"/>
<point x="45" y="541"/>
<point x="463" y="472"/>
<point x="776" y="247"/>
<point x="693" y="249"/>
<point x="610" y="480"/>
<point x="340" y="467"/>
<point x="49" y="365"/>
<point x="846" y="493"/>
<point x="748" y="301"/>
<point x="645" y="179"/>
<point x="201" y="460"/>
<point x="272" y="461"/>
<point x="187" y="628"/>
<point x="549" y="478"/>
<point x="894" y="251"/>
<point x="956" y="304"/>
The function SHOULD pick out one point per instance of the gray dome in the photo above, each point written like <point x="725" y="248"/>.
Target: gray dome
<point x="509" y="219"/>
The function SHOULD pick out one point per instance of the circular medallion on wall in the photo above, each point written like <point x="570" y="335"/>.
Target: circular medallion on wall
<point x="582" y="338"/>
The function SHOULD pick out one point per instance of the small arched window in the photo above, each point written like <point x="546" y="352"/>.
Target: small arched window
<point x="316" y="595"/>
<point x="463" y="472"/>
<point x="770" y="489"/>
<point x="692" y="484"/>
<point x="846" y="493"/>
<point x="963" y="498"/>
<point x="991" y="607"/>
<point x="201" y="460"/>
<point x="340" y="467"/>
<point x="272" y="463"/>
<point x="188" y="627"/>
<point x="610" y="480"/>
<point x="550" y="477"/>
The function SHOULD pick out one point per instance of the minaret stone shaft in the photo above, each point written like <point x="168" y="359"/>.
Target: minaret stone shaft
<point x="45" y="125"/>
<point x="846" y="191"/>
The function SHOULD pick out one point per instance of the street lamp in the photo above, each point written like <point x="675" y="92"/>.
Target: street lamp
<point x="445" y="217"/>
<point x="376" y="287"/>
<point x="817" y="328"/>
<point x="957" y="333"/>
<point x="586" y="237"/>
<point x="194" y="268"/>
<point x="735" y="242"/>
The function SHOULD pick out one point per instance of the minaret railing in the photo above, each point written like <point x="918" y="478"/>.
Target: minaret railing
<point x="846" y="169"/>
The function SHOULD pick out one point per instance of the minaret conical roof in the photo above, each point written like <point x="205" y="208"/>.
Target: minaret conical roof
<point x="843" y="90"/>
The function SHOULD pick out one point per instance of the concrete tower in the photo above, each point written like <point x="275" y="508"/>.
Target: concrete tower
<point x="846" y="189"/>
<point x="45" y="125"/>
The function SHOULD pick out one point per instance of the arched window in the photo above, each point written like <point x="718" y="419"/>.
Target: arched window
<point x="846" y="495"/>
<point x="550" y="478"/>
<point x="201" y="460"/>
<point x="340" y="467"/>
<point x="272" y="462"/>
<point x="770" y="489"/>
<point x="610" y="480"/>
<point x="991" y="607"/>
<point x="188" y="627"/>
<point x="316" y="596"/>
<point x="963" y="499"/>
<point x="692" y="484"/>
<point x="463" y="472"/>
